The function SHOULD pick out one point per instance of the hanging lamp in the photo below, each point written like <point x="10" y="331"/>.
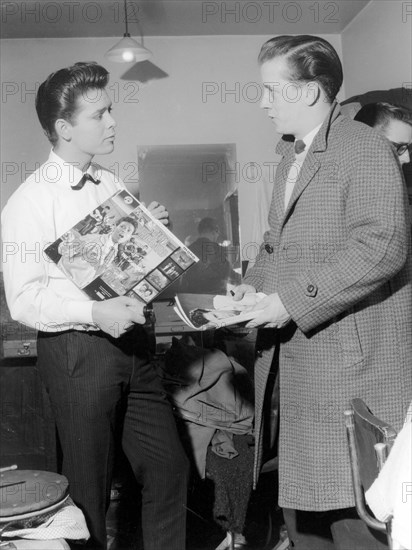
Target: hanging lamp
<point x="127" y="49"/>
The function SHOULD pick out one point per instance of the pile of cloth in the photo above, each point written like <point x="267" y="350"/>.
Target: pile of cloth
<point x="212" y="395"/>
<point x="47" y="530"/>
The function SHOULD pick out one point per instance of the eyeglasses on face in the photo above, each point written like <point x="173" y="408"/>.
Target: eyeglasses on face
<point x="401" y="147"/>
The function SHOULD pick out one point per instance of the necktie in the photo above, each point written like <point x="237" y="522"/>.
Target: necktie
<point x="85" y="177"/>
<point x="299" y="146"/>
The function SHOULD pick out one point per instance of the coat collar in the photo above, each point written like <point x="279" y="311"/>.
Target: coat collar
<point x="310" y="165"/>
<point x="320" y="143"/>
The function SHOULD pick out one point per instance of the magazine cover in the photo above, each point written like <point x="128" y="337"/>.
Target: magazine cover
<point x="207" y="311"/>
<point x="120" y="249"/>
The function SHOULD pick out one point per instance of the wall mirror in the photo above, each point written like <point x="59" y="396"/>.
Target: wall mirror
<point x="194" y="182"/>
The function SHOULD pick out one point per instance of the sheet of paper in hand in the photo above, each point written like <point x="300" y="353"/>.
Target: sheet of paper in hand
<point x="121" y="249"/>
<point x="208" y="311"/>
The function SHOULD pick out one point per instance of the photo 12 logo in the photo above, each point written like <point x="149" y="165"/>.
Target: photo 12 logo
<point x="22" y="92"/>
<point x="69" y="12"/>
<point x="271" y="12"/>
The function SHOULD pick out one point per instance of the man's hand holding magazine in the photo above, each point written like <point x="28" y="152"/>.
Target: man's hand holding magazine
<point x="270" y="311"/>
<point x="117" y="315"/>
<point x="208" y="311"/>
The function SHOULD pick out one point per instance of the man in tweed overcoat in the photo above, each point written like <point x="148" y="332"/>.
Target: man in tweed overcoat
<point x="337" y="270"/>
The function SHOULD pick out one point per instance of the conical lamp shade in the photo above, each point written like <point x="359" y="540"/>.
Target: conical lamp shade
<point x="127" y="50"/>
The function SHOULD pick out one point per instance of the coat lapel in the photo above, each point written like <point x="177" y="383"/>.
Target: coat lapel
<point x="284" y="148"/>
<point x="311" y="164"/>
<point x="307" y="172"/>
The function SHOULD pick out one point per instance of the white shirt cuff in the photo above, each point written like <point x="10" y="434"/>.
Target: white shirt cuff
<point x="80" y="311"/>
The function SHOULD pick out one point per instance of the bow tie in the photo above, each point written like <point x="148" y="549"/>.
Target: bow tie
<point x="299" y="146"/>
<point x="85" y="177"/>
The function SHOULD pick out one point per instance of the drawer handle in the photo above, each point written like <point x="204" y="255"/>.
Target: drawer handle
<point x="25" y="349"/>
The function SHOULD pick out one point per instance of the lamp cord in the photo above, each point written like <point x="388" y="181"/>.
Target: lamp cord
<point x="127" y="24"/>
<point x="125" y="17"/>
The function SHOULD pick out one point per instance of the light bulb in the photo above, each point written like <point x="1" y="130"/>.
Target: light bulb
<point x="128" y="55"/>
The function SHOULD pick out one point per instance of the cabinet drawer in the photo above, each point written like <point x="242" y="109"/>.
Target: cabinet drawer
<point x="19" y="348"/>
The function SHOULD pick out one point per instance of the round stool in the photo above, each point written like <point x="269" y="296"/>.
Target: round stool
<point x="26" y="494"/>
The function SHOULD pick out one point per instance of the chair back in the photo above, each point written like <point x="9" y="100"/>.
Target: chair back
<point x="369" y="431"/>
<point x="370" y="440"/>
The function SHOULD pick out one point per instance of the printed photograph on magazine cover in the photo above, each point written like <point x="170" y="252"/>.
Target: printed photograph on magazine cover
<point x="207" y="311"/>
<point x="108" y="258"/>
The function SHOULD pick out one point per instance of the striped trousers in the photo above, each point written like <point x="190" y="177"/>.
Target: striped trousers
<point x="99" y="385"/>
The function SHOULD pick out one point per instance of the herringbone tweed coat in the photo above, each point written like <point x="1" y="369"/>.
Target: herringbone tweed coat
<point x="340" y="259"/>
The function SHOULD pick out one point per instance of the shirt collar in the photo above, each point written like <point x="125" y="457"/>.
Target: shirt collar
<point x="61" y="172"/>
<point x="308" y="139"/>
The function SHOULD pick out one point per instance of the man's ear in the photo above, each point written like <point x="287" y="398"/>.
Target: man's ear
<point x="311" y="93"/>
<point x="63" y="129"/>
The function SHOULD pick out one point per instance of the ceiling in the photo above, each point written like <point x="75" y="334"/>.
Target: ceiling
<point x="84" y="18"/>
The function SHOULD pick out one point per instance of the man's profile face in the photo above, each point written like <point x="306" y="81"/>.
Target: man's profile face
<point x="92" y="130"/>
<point x="122" y="232"/>
<point x="282" y="99"/>
<point x="399" y="132"/>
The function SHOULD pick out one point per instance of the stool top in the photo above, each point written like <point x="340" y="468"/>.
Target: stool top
<point x="27" y="491"/>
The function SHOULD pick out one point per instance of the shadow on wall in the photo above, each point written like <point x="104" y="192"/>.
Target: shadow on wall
<point x="143" y="72"/>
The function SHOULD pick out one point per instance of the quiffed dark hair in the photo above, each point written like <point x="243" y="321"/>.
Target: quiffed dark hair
<point x="57" y="95"/>
<point x="378" y="115"/>
<point x="309" y="58"/>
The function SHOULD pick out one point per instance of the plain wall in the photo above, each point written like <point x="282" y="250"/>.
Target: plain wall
<point x="377" y="48"/>
<point x="211" y="95"/>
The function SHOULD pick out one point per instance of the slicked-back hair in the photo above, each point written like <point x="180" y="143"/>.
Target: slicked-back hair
<point x="309" y="58"/>
<point x="57" y="95"/>
<point x="378" y="115"/>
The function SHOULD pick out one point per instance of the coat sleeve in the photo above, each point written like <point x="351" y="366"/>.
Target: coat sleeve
<point x="254" y="275"/>
<point x="377" y="243"/>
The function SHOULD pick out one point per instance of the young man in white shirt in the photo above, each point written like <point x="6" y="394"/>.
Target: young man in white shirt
<point x="93" y="356"/>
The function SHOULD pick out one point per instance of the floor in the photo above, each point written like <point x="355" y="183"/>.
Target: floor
<point x="263" y="522"/>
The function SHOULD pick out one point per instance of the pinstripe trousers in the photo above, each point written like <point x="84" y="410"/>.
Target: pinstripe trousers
<point x="98" y="385"/>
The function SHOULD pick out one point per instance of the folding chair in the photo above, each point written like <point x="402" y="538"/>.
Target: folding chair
<point x="370" y="440"/>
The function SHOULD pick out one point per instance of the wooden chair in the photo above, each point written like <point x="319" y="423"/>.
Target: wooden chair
<point x="370" y="440"/>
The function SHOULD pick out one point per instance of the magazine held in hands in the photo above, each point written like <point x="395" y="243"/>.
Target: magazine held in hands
<point x="121" y="249"/>
<point x="206" y="311"/>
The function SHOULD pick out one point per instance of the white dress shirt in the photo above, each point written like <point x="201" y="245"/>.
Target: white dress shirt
<point x="39" y="212"/>
<point x="297" y="164"/>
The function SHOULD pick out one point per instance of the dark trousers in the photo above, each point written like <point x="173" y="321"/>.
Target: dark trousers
<point x="331" y="530"/>
<point x="96" y="385"/>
